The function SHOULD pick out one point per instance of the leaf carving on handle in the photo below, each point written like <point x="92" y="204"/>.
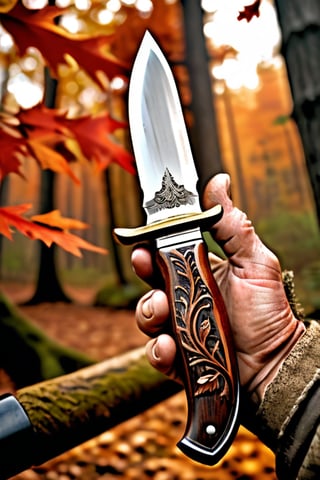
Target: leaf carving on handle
<point x="197" y="329"/>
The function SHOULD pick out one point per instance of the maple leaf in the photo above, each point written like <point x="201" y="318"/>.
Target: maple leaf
<point x="12" y="216"/>
<point x="35" y="132"/>
<point x="250" y="11"/>
<point x="55" y="218"/>
<point x="92" y="135"/>
<point x="40" y="120"/>
<point x="37" y="28"/>
<point x="49" y="159"/>
<point x="10" y="147"/>
<point x="42" y="133"/>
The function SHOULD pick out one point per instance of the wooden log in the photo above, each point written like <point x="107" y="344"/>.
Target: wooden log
<point x="69" y="410"/>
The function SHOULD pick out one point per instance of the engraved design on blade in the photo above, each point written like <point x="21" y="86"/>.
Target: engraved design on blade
<point x="171" y="195"/>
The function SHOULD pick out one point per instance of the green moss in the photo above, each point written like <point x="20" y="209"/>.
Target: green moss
<point x="27" y="354"/>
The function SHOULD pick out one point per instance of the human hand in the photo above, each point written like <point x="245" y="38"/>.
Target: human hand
<point x="262" y="322"/>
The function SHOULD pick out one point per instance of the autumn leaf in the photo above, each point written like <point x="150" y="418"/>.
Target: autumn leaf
<point x="13" y="217"/>
<point x="250" y="11"/>
<point x="43" y="133"/>
<point x="54" y="219"/>
<point x="40" y="120"/>
<point x="6" y="213"/>
<point x="92" y="135"/>
<point x="10" y="147"/>
<point x="37" y="28"/>
<point x="33" y="132"/>
<point x="50" y="159"/>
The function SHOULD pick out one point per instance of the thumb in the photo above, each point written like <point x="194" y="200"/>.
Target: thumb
<point x="217" y="191"/>
<point x="234" y="232"/>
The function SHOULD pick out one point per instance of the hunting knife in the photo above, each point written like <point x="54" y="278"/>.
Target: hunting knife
<point x="175" y="222"/>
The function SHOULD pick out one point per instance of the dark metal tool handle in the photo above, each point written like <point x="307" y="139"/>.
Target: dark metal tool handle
<point x="203" y="336"/>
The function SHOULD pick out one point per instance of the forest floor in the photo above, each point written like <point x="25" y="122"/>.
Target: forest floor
<point x="145" y="446"/>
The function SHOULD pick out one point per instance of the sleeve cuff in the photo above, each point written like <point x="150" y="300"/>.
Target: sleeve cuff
<point x="287" y="418"/>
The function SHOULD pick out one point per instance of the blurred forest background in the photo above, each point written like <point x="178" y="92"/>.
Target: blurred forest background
<point x="258" y="141"/>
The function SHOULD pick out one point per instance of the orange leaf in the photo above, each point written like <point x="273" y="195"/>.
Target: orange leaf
<point x="50" y="159"/>
<point x="42" y="130"/>
<point x="92" y="135"/>
<point x="37" y="28"/>
<point x="54" y="219"/>
<point x="10" y="146"/>
<point x="12" y="217"/>
<point x="6" y="213"/>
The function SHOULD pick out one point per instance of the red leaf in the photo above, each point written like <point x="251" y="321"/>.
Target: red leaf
<point x="250" y="11"/>
<point x="48" y="158"/>
<point x="40" y="120"/>
<point x="13" y="217"/>
<point x="10" y="212"/>
<point x="10" y="146"/>
<point x="37" y="28"/>
<point x="39" y="130"/>
<point x="36" y="132"/>
<point x="92" y="135"/>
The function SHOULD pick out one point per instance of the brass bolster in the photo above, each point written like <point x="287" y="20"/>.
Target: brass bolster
<point x="129" y="236"/>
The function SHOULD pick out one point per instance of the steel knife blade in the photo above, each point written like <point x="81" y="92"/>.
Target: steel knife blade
<point x="175" y="222"/>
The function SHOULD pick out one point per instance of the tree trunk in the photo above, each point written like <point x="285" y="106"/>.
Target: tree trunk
<point x="48" y="287"/>
<point x="236" y="150"/>
<point x="121" y="278"/>
<point x="123" y="209"/>
<point x="300" y="25"/>
<point x="204" y="136"/>
<point x="72" y="409"/>
<point x="4" y="184"/>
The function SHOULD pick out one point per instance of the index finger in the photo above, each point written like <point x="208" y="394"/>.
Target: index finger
<point x="142" y="263"/>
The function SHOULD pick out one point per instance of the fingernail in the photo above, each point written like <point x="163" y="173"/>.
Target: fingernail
<point x="154" y="350"/>
<point x="147" y="308"/>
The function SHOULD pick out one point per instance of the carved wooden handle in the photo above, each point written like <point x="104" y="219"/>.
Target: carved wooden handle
<point x="203" y="336"/>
